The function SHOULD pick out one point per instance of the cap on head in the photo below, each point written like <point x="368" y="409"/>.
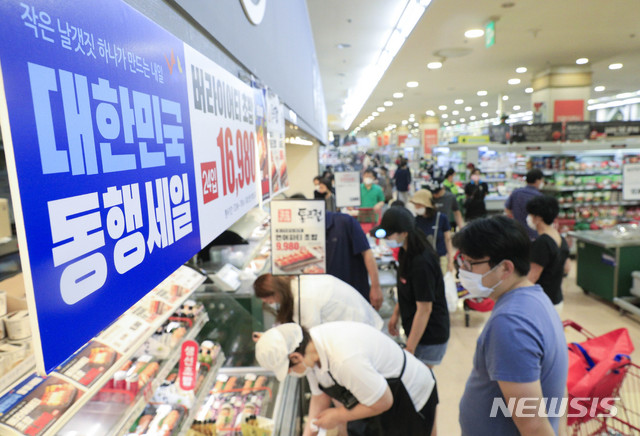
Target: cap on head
<point x="394" y="220"/>
<point x="274" y="347"/>
<point x="423" y="197"/>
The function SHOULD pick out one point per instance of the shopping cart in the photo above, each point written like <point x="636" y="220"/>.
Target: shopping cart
<point x="609" y="375"/>
<point x="367" y="218"/>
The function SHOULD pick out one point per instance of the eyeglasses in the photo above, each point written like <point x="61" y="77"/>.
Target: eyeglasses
<point x="466" y="265"/>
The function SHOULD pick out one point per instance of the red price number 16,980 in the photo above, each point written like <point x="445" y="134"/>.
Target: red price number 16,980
<point x="245" y="159"/>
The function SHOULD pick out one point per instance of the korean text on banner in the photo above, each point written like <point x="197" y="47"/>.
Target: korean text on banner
<point x="298" y="237"/>
<point x="347" y="188"/>
<point x="263" y="147"/>
<point x="99" y="160"/>
<point x="224" y="144"/>
<point x="276" y="134"/>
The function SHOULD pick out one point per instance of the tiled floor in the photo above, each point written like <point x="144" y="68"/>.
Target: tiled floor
<point x="595" y="315"/>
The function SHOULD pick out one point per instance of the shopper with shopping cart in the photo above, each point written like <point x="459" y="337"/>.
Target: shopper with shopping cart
<point x="521" y="355"/>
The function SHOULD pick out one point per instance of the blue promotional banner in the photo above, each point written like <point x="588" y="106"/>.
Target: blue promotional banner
<point x="105" y="187"/>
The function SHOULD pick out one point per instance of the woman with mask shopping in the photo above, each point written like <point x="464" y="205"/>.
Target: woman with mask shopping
<point x="475" y="191"/>
<point x="323" y="298"/>
<point x="422" y="306"/>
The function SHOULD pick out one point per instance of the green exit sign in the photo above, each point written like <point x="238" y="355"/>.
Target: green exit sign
<point x="490" y="34"/>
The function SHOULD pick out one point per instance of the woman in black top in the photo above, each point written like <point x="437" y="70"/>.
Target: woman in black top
<point x="549" y="252"/>
<point x="422" y="306"/>
<point x="475" y="191"/>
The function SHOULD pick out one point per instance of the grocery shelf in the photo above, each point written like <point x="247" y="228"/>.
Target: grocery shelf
<point x="599" y="203"/>
<point x="134" y="411"/>
<point x="205" y="388"/>
<point x="26" y="366"/>
<point x="577" y="188"/>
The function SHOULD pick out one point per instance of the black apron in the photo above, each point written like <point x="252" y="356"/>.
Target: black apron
<point x="401" y="419"/>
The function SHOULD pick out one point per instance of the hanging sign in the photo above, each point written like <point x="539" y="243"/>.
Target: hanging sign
<point x="275" y="135"/>
<point x="298" y="237"/>
<point x="347" y="188"/>
<point x="631" y="182"/>
<point x="127" y="152"/>
<point x="187" y="369"/>
<point x="262" y="144"/>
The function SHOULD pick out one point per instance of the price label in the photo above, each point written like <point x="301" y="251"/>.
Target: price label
<point x="241" y="170"/>
<point x="287" y="246"/>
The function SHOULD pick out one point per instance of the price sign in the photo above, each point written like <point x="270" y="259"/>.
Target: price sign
<point x="224" y="144"/>
<point x="631" y="181"/>
<point x="187" y="374"/>
<point x="275" y="134"/>
<point x="347" y="188"/>
<point x="298" y="237"/>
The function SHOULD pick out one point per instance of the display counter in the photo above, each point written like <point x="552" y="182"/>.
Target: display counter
<point x="605" y="261"/>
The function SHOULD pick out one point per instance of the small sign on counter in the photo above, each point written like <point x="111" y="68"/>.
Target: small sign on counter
<point x="347" y="188"/>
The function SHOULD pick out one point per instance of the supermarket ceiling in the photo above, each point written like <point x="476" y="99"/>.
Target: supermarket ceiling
<point x="535" y="34"/>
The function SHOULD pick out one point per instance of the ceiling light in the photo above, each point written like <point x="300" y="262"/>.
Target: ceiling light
<point x="459" y="101"/>
<point x="415" y="124"/>
<point x="599" y="88"/>
<point x="454" y="122"/>
<point x="388" y="103"/>
<point x="484" y="104"/>
<point x="582" y="61"/>
<point x="343" y="45"/>
<point x="485" y="115"/>
<point x="474" y="33"/>
<point x="513" y="81"/>
<point x="615" y="103"/>
<point x="472" y="117"/>
<point x="412" y="115"/>
<point x="381" y="109"/>
<point x="521" y="70"/>
<point x="434" y="65"/>
<point x="468" y="108"/>
<point x="398" y="95"/>
<point x="462" y="120"/>
<point x="412" y="84"/>
<point x="625" y="95"/>
<point x="375" y="114"/>
<point x="516" y="108"/>
<point x="455" y="112"/>
<point x="497" y="112"/>
<point x="615" y="66"/>
<point x="442" y="107"/>
<point x="430" y="113"/>
<point x="445" y="116"/>
<point x="446" y="123"/>
<point x="591" y="101"/>
<point x="481" y="93"/>
<point x="405" y="122"/>
<point x="505" y="97"/>
<point x="528" y="90"/>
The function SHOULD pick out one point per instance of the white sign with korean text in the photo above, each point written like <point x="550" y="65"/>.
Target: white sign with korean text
<point x="298" y="237"/>
<point x="631" y="181"/>
<point x="347" y="188"/>
<point x="224" y="144"/>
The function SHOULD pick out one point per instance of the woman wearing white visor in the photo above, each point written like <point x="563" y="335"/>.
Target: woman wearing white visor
<point x="359" y="366"/>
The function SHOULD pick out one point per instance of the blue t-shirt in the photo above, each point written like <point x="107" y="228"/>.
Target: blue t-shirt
<point x="523" y="341"/>
<point x="517" y="204"/>
<point x="345" y="244"/>
<point x="428" y="226"/>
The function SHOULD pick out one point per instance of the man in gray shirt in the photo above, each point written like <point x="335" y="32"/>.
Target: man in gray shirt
<point x="446" y="203"/>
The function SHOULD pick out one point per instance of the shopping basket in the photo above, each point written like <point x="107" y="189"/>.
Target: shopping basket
<point x="601" y="375"/>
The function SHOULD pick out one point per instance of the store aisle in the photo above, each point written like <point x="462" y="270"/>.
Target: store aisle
<point x="593" y="314"/>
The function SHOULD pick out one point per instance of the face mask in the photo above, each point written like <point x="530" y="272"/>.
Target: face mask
<point x="368" y="180"/>
<point x="530" y="222"/>
<point x="475" y="178"/>
<point x="275" y="306"/>
<point x="420" y="211"/>
<point x="472" y="282"/>
<point x="541" y="185"/>
<point x="391" y="243"/>
<point x="307" y="369"/>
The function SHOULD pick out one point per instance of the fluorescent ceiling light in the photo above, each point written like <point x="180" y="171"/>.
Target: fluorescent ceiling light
<point x="372" y="74"/>
<point x="454" y="122"/>
<point x="481" y="93"/>
<point x="405" y="122"/>
<point x="446" y="123"/>
<point x="484" y="104"/>
<point x="513" y="81"/>
<point x="485" y="115"/>
<point x="516" y="108"/>
<point x="388" y="103"/>
<point x="412" y="84"/>
<point x="521" y="70"/>
<point x="381" y="109"/>
<point x="415" y="124"/>
<point x="505" y="97"/>
<point x="474" y="33"/>
<point x="615" y="66"/>
<point x="472" y="117"/>
<point x="442" y="107"/>
<point x="468" y="108"/>
<point x="398" y="95"/>
<point x="528" y="90"/>
<point x="462" y="120"/>
<point x="375" y="114"/>
<point x="582" y="61"/>
<point x="599" y="88"/>
<point x="455" y="112"/>
<point x="434" y="65"/>
<point x="430" y="113"/>
<point x="625" y="95"/>
<point x="298" y="141"/>
<point x="445" y="116"/>
<point x="459" y="101"/>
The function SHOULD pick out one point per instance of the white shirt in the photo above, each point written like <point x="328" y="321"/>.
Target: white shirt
<point x="361" y="358"/>
<point x="325" y="298"/>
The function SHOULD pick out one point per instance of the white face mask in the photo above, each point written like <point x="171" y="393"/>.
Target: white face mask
<point x="472" y="282"/>
<point x="420" y="211"/>
<point x="541" y="185"/>
<point x="307" y="370"/>
<point x="391" y="243"/>
<point x="530" y="222"/>
<point x="368" y="181"/>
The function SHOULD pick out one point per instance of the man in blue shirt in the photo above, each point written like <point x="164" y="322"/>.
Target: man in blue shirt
<point x="521" y="355"/>
<point x="516" y="205"/>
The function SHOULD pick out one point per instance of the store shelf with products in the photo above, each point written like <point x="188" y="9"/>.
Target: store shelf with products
<point x="44" y="405"/>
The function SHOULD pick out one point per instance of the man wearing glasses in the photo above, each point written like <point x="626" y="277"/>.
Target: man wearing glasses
<point x="521" y="352"/>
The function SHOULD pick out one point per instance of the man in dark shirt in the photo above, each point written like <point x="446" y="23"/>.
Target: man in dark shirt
<point x="402" y="178"/>
<point x="516" y="205"/>
<point x="446" y="203"/>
